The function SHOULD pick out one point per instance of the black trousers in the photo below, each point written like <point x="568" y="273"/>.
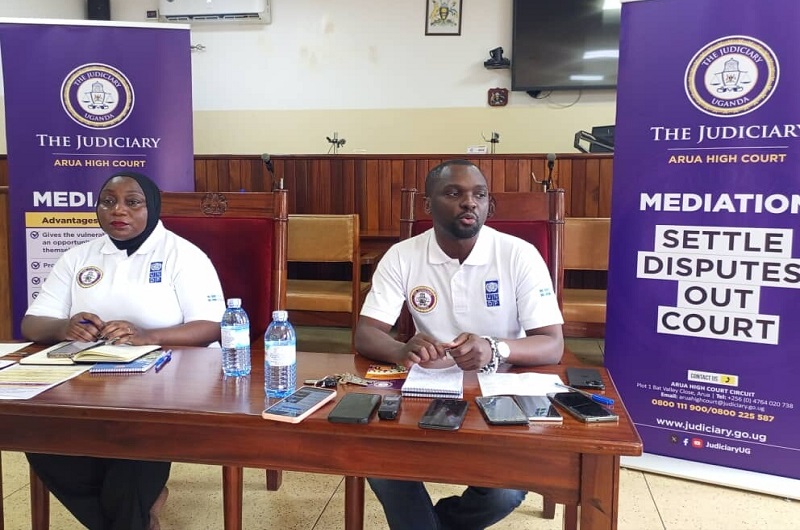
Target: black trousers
<point x="103" y="493"/>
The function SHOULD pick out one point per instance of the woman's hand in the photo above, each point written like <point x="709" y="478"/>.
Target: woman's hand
<point x="84" y="327"/>
<point x="118" y="332"/>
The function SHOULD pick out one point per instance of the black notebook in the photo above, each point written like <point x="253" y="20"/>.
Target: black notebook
<point x="138" y="366"/>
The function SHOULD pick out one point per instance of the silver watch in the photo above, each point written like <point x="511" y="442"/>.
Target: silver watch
<point x="503" y="351"/>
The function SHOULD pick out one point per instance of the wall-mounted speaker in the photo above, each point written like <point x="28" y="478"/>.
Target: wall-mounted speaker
<point x="98" y="9"/>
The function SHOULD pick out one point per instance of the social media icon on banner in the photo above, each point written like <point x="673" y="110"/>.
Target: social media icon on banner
<point x="697" y="443"/>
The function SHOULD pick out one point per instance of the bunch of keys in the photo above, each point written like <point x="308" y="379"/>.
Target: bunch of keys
<point x="331" y="381"/>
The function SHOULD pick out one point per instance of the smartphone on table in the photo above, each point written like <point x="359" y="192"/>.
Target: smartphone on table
<point x="300" y="404"/>
<point x="584" y="378"/>
<point x="501" y="410"/>
<point x="444" y="413"/>
<point x="356" y="407"/>
<point x="538" y="408"/>
<point x="582" y="407"/>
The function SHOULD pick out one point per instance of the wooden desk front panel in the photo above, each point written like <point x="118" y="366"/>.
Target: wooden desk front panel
<point x="188" y="412"/>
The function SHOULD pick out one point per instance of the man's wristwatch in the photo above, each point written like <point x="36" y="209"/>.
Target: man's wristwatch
<point x="500" y="354"/>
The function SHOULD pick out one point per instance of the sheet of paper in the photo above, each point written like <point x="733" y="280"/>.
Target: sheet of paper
<point x="4" y="364"/>
<point x="527" y="384"/>
<point x="25" y="382"/>
<point x="11" y="347"/>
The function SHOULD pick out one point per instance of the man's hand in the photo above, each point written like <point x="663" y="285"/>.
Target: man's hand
<point x="470" y="351"/>
<point x="422" y="348"/>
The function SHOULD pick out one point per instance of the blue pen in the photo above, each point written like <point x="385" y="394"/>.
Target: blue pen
<point x="163" y="359"/>
<point x="594" y="397"/>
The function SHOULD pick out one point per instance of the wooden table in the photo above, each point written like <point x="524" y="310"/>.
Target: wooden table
<point x="188" y="412"/>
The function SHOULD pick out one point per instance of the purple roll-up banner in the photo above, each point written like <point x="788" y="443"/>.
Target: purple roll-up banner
<point x="84" y="100"/>
<point x="702" y="336"/>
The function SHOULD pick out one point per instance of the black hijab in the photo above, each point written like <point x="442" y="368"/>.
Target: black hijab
<point x="152" y="199"/>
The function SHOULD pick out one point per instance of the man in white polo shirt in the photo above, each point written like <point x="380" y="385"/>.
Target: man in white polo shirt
<point x="478" y="298"/>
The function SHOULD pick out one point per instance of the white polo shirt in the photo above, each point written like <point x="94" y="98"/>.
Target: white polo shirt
<point x="502" y="289"/>
<point x="166" y="282"/>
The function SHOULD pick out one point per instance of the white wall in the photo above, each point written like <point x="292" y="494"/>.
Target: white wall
<point x="364" y="69"/>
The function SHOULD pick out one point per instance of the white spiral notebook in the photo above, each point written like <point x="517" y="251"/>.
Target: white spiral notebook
<point x="434" y="382"/>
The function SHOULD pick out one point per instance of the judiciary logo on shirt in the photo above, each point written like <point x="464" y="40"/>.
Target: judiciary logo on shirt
<point x="423" y="299"/>
<point x="89" y="276"/>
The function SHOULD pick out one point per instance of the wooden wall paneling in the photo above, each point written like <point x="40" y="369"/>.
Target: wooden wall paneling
<point x="361" y="198"/>
<point x="562" y="178"/>
<point x="604" y="197"/>
<point x="373" y="194"/>
<point x="525" y="179"/>
<point x="592" y="180"/>
<point x="385" y="168"/>
<point x="349" y="185"/>
<point x="398" y="179"/>
<point x="337" y="199"/>
<point x="212" y="175"/>
<point x="511" y="175"/>
<point x="3" y="171"/>
<point x="301" y="187"/>
<point x="410" y="172"/>
<point x="577" y="200"/>
<point x="235" y="171"/>
<point x="200" y="174"/>
<point x="496" y="176"/>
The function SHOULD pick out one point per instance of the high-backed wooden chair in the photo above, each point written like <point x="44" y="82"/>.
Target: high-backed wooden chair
<point x="318" y="238"/>
<point x="536" y="217"/>
<point x="586" y="242"/>
<point x="245" y="236"/>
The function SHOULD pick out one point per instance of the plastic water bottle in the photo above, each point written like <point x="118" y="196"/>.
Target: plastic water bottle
<point x="235" y="340"/>
<point x="280" y="356"/>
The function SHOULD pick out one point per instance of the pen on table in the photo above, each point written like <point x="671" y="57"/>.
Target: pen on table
<point x="163" y="359"/>
<point x="594" y="397"/>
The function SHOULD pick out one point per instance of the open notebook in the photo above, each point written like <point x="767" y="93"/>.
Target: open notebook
<point x="434" y="382"/>
<point x="97" y="354"/>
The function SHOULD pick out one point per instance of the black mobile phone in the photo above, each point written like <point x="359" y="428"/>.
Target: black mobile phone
<point x="390" y="407"/>
<point x="584" y="378"/>
<point x="444" y="413"/>
<point x="582" y="407"/>
<point x="355" y="408"/>
<point x="501" y="410"/>
<point x="538" y="408"/>
<point x="295" y="407"/>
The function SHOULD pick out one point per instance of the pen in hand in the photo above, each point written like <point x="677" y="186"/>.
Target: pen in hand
<point x="594" y="397"/>
<point x="163" y="359"/>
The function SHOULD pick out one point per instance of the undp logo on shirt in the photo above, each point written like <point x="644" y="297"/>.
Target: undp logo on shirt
<point x="732" y="76"/>
<point x="97" y="96"/>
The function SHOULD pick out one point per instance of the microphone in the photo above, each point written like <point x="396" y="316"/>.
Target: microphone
<point x="551" y="162"/>
<point x="268" y="164"/>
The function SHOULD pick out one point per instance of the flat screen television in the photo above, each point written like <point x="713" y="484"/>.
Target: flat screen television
<point x="564" y="45"/>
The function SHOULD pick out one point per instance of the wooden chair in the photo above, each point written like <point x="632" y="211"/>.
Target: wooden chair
<point x="536" y="217"/>
<point x="317" y="238"/>
<point x="586" y="242"/>
<point x="245" y="236"/>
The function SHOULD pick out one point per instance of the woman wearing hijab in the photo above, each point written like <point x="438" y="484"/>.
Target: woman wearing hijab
<point x="137" y="284"/>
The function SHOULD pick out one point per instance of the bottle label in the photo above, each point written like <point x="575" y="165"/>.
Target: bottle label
<point x="235" y="337"/>
<point x="281" y="355"/>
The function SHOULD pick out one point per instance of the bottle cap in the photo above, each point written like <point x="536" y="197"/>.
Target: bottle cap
<point x="280" y="315"/>
<point x="234" y="302"/>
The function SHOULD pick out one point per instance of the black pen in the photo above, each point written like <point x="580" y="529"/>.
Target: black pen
<point x="163" y="359"/>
